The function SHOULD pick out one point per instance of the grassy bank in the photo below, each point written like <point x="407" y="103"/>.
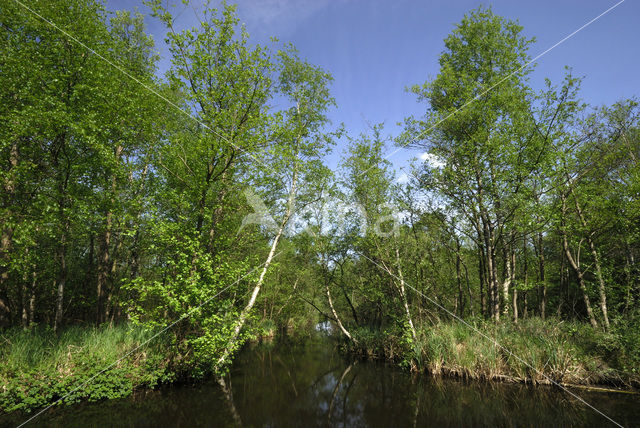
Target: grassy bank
<point x="566" y="352"/>
<point x="38" y="367"/>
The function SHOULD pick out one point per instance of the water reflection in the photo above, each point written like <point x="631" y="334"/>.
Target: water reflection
<point x="311" y="384"/>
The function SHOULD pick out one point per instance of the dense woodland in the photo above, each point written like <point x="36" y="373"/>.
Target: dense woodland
<point x="202" y="195"/>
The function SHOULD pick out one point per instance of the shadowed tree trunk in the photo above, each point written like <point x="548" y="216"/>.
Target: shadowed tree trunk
<point x="483" y="281"/>
<point x="596" y="260"/>
<point x="105" y="263"/>
<point x="32" y="298"/>
<point x="541" y="277"/>
<point x="576" y="268"/>
<point x="5" y="239"/>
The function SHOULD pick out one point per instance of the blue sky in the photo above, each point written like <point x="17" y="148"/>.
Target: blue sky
<point x="375" y="48"/>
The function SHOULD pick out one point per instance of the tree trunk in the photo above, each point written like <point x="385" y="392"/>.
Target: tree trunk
<point x="601" y="286"/>
<point x="596" y="261"/>
<point x="564" y="275"/>
<point x="62" y="177"/>
<point x="482" y="276"/>
<point x="104" y="264"/>
<point x="256" y="290"/>
<point x="62" y="279"/>
<point x="216" y="214"/>
<point x="492" y="270"/>
<point x="103" y="269"/>
<point x="581" y="283"/>
<point x="543" y="283"/>
<point x="576" y="269"/>
<point x="466" y="275"/>
<point x="509" y="264"/>
<point x="525" y="279"/>
<point x="335" y="315"/>
<point x="5" y="309"/>
<point x="513" y="278"/>
<point x="32" y="299"/>
<point x="112" y="289"/>
<point x="459" y="281"/>
<point x="5" y="240"/>
<point x="254" y="295"/>
<point x="24" y="290"/>
<point x="628" y="263"/>
<point x="404" y="298"/>
<point x="495" y="286"/>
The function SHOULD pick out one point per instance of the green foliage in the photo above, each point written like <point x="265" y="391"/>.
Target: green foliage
<point x="121" y="207"/>
<point x="192" y="286"/>
<point x="627" y="333"/>
<point x="531" y="351"/>
<point x="375" y="344"/>
<point x="39" y="367"/>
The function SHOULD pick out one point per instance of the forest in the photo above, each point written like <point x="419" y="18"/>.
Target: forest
<point x="152" y="225"/>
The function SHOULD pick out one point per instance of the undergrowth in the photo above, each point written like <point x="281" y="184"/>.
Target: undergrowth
<point x="532" y="350"/>
<point x="39" y="367"/>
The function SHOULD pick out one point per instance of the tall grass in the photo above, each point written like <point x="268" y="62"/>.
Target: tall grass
<point x="532" y="350"/>
<point x="38" y="367"/>
<point x="25" y="350"/>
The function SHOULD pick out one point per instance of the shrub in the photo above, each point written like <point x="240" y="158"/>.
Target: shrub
<point x="40" y="368"/>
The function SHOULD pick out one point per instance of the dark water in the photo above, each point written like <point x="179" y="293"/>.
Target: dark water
<point x="311" y="384"/>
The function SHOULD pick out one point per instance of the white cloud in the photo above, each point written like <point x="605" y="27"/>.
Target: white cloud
<point x="283" y="15"/>
<point x="433" y="160"/>
<point x="404" y="178"/>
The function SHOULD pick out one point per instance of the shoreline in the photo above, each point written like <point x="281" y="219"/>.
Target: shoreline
<point x="539" y="353"/>
<point x="29" y="385"/>
<point x="451" y="373"/>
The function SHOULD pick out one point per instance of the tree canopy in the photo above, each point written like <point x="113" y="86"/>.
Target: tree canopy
<point x="129" y="197"/>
